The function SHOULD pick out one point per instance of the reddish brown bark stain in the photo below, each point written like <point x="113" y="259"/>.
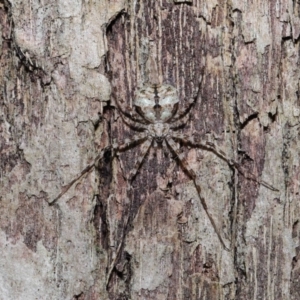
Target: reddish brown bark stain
<point x="182" y="53"/>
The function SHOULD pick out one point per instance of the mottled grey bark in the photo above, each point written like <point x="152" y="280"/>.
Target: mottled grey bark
<point x="72" y="226"/>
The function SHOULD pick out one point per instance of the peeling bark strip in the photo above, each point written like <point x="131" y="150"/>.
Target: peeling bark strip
<point x="80" y="219"/>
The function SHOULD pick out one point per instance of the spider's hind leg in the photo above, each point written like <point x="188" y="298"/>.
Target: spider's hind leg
<point x="184" y="111"/>
<point x="134" y="124"/>
<point x="180" y="122"/>
<point x="184" y="163"/>
<point x="130" y="115"/>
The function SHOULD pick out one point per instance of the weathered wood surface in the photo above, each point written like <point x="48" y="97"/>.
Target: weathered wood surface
<point x="64" y="66"/>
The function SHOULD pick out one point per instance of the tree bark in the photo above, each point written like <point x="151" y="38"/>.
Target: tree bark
<point x="73" y="226"/>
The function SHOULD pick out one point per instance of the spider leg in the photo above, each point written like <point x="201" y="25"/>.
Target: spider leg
<point x="180" y="122"/>
<point x="86" y="170"/>
<point x="184" y="116"/>
<point x="117" y="253"/>
<point x="187" y="106"/>
<point x="138" y="163"/>
<point x="130" y="114"/>
<point x="145" y="148"/>
<point x="116" y="147"/>
<point x="184" y="163"/>
<point x="169" y="171"/>
<point x="220" y="153"/>
<point x="184" y="111"/>
<point x="136" y="125"/>
<point x="129" y="142"/>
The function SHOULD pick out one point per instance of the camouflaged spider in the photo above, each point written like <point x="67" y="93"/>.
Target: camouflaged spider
<point x="157" y="119"/>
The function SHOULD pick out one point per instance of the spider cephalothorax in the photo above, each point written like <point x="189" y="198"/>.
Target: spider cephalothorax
<point x="158" y="131"/>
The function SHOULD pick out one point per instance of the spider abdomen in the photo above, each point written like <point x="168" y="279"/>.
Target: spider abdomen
<point x="157" y="102"/>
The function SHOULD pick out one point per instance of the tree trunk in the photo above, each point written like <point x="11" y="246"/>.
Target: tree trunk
<point x="77" y="222"/>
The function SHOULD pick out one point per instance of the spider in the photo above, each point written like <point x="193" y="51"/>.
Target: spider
<point x="157" y="119"/>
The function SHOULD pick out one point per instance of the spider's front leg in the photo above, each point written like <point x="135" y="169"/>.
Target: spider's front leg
<point x="86" y="170"/>
<point x="220" y="153"/>
<point x="138" y="138"/>
<point x="116" y="148"/>
<point x="141" y="138"/>
<point x="145" y="148"/>
<point x="184" y="163"/>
